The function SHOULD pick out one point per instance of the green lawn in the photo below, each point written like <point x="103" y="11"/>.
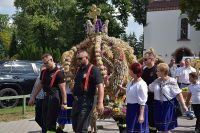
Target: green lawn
<point x="17" y="109"/>
<point x="10" y="114"/>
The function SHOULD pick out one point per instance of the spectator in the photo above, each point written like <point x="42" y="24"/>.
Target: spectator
<point x="88" y="79"/>
<point x="53" y="84"/>
<point x="64" y="116"/>
<point x="39" y="102"/>
<point x="182" y="75"/>
<point x="172" y="68"/>
<point x="149" y="75"/>
<point x="180" y="66"/>
<point x="194" y="91"/>
<point x="166" y="91"/>
<point x="136" y="97"/>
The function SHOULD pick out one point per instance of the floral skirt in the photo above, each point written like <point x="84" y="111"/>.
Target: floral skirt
<point x="64" y="116"/>
<point x="132" y="114"/>
<point x="164" y="115"/>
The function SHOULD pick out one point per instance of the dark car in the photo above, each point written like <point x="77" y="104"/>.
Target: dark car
<point x="17" y="78"/>
<point x="2" y="61"/>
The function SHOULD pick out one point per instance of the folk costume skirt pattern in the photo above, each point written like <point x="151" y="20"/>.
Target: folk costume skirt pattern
<point x="132" y="114"/>
<point x="165" y="116"/>
<point x="64" y="116"/>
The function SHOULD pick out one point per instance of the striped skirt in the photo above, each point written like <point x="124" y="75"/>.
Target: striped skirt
<point x="64" y="116"/>
<point x="132" y="114"/>
<point x="164" y="115"/>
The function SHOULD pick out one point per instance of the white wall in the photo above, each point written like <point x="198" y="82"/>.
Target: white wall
<point x="161" y="33"/>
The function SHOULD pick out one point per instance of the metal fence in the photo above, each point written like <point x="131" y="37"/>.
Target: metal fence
<point x="24" y="101"/>
<point x="18" y="97"/>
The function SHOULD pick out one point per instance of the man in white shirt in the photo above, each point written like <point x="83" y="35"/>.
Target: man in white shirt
<point x="181" y="65"/>
<point x="172" y="68"/>
<point x="182" y="74"/>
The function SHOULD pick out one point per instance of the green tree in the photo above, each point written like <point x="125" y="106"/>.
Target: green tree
<point x="3" y="22"/>
<point x="13" y="46"/>
<point x="41" y="18"/>
<point x="137" y="45"/>
<point x="132" y="39"/>
<point x="124" y="8"/>
<point x="192" y="9"/>
<point x="5" y="36"/>
<point x="43" y="24"/>
<point x="60" y="24"/>
<point x="139" y="10"/>
<point x="140" y="46"/>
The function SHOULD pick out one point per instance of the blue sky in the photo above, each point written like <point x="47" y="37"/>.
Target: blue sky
<point x="7" y="7"/>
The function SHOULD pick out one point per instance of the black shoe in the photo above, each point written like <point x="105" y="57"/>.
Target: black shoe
<point x="59" y="130"/>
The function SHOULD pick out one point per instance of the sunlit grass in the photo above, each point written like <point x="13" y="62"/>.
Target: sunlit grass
<point x="17" y="109"/>
<point x="10" y="114"/>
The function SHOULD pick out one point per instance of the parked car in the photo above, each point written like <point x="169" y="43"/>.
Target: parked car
<point x="2" y="61"/>
<point x="17" y="78"/>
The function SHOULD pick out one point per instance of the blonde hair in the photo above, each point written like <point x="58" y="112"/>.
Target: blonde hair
<point x="163" y="67"/>
<point x="151" y="53"/>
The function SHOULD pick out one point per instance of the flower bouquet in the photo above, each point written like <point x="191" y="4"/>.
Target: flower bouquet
<point x="117" y="110"/>
<point x="119" y="113"/>
<point x="185" y="92"/>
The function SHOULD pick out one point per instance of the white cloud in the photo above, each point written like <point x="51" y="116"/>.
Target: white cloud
<point x="6" y="3"/>
<point x="7" y="7"/>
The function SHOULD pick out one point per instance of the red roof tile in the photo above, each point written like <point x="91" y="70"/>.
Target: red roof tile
<point x="163" y="5"/>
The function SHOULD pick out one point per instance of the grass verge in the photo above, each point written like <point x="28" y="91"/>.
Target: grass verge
<point x="12" y="114"/>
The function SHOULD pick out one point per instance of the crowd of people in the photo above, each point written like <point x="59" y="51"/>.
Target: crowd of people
<point x="152" y="95"/>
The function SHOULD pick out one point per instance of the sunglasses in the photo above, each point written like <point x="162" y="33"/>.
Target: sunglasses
<point x="145" y="59"/>
<point x="80" y="58"/>
<point x="45" y="63"/>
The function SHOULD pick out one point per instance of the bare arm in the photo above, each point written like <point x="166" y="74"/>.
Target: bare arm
<point x="122" y="88"/>
<point x="188" y="99"/>
<point x="177" y="78"/>
<point x="182" y="102"/>
<point x="62" y="87"/>
<point x="100" y="106"/>
<point x="38" y="88"/>
<point x="141" y="116"/>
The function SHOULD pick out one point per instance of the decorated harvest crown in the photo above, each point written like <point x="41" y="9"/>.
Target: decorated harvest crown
<point x="96" y="26"/>
<point x="111" y="55"/>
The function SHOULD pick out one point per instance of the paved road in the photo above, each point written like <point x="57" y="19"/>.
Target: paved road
<point x="105" y="126"/>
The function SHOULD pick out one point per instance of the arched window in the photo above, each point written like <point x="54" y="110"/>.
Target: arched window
<point x="184" y="28"/>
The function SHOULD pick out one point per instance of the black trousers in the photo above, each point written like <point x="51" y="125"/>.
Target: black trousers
<point x="150" y="103"/>
<point x="50" y="110"/>
<point x="196" y="108"/>
<point x="38" y="112"/>
<point x="152" y="128"/>
<point x="81" y="110"/>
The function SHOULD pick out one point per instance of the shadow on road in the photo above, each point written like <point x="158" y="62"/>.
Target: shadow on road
<point x="186" y="126"/>
<point x="180" y="131"/>
<point x="34" y="131"/>
<point x="108" y="129"/>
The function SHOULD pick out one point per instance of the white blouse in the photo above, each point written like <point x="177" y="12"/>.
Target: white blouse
<point x="136" y="92"/>
<point x="169" y="88"/>
<point x="194" y="89"/>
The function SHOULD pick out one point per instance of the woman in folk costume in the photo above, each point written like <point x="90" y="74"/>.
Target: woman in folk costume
<point x="65" y="115"/>
<point x="136" y="97"/>
<point x="166" y="94"/>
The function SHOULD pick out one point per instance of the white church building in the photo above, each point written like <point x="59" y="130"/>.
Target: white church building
<point x="168" y="31"/>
